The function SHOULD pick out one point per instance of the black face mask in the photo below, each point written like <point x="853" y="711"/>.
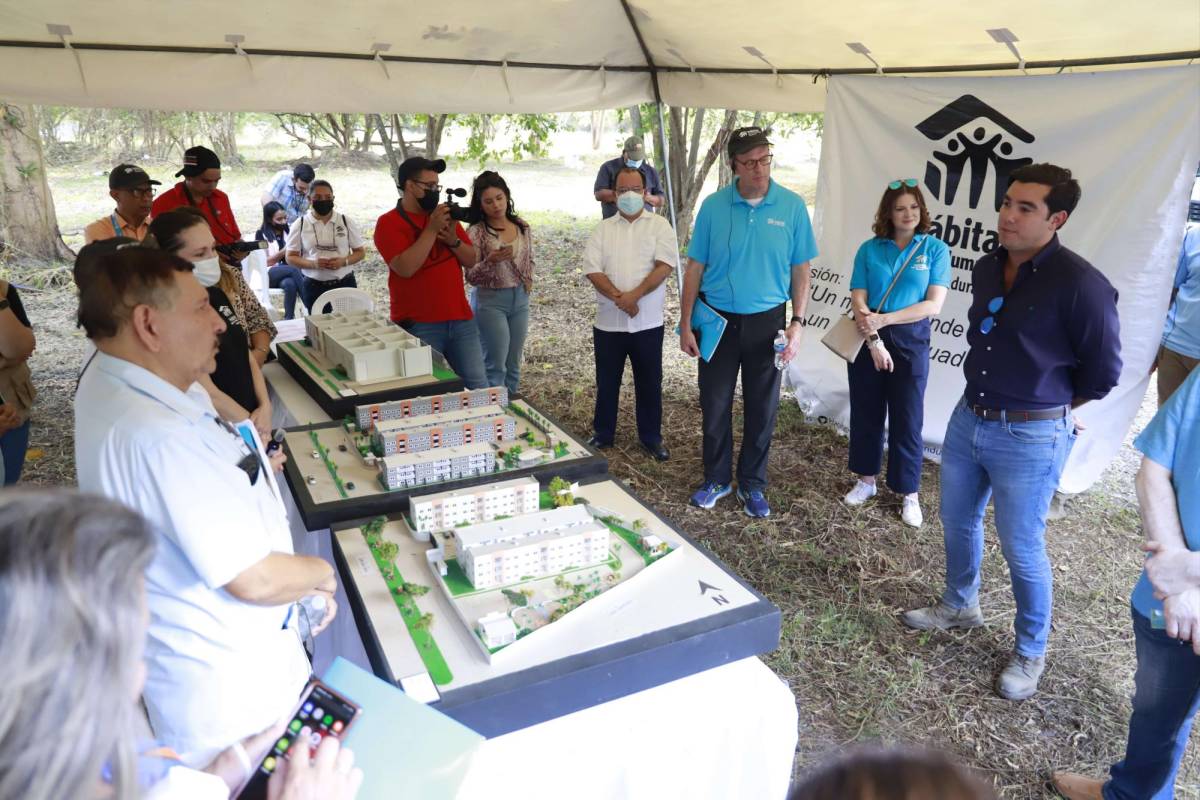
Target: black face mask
<point x="322" y="207"/>
<point x="428" y="201"/>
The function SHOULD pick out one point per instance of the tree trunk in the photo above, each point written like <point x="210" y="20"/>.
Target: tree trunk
<point x="28" y="225"/>
<point x="435" y="125"/>
<point x="635" y="120"/>
<point x="687" y="167"/>
<point x="597" y="128"/>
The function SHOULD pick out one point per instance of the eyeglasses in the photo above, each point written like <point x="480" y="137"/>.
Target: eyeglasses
<point x="751" y="163"/>
<point x="429" y="187"/>
<point x="147" y="192"/>
<point x="909" y="182"/>
<point x="994" y="305"/>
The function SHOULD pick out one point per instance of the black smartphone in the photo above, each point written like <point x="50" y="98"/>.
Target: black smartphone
<point x="324" y="712"/>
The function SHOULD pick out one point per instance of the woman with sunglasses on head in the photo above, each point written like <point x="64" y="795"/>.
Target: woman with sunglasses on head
<point x="900" y="279"/>
<point x="502" y="278"/>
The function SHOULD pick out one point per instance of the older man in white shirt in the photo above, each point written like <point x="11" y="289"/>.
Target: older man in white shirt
<point x="627" y="259"/>
<point x="325" y="246"/>
<point x="221" y="661"/>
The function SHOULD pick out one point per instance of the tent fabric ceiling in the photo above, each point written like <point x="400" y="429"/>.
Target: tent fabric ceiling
<point x="561" y="55"/>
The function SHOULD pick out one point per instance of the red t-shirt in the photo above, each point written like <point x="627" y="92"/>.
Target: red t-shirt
<point x="435" y="292"/>
<point x="215" y="209"/>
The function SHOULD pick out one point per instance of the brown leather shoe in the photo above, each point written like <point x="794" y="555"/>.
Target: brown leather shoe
<point x="1077" y="787"/>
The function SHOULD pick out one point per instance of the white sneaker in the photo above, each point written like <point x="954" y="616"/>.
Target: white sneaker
<point x="861" y="493"/>
<point x="911" y="512"/>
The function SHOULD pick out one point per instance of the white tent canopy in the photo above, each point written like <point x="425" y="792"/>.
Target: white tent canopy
<point x="553" y="55"/>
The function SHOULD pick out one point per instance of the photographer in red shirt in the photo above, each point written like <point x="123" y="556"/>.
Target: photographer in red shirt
<point x="426" y="252"/>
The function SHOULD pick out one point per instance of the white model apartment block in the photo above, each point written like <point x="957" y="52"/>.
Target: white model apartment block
<point x="496" y="629"/>
<point x="368" y="347"/>
<point x="433" y="512"/>
<point x="448" y="429"/>
<point x="443" y="464"/>
<point x="368" y="415"/>
<point x="508" y="551"/>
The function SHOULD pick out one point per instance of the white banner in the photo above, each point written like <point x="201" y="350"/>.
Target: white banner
<point x="1131" y="138"/>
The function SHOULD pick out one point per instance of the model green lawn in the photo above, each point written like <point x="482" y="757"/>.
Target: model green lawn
<point x="405" y="594"/>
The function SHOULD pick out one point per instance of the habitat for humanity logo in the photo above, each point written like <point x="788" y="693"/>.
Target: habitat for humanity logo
<point x="980" y="147"/>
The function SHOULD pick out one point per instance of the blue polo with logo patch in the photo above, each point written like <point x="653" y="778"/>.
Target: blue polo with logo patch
<point x="878" y="260"/>
<point x="748" y="251"/>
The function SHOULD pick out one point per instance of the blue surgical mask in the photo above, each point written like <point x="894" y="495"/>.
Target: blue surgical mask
<point x="629" y="162"/>
<point x="630" y="203"/>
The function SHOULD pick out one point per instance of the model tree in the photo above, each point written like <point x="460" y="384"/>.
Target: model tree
<point x="639" y="525"/>
<point x="560" y="492"/>
<point x="387" y="551"/>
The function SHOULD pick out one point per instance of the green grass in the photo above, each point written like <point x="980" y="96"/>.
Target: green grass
<point x="329" y="465"/>
<point x="633" y="540"/>
<point x="427" y="648"/>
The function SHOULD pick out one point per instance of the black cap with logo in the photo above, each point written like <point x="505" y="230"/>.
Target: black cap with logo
<point x="127" y="176"/>
<point x="743" y="140"/>
<point x="415" y="164"/>
<point x="196" y="160"/>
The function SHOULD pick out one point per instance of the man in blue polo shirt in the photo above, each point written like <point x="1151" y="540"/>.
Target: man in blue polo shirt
<point x="749" y="254"/>
<point x="1166" y="609"/>
<point x="1044" y="339"/>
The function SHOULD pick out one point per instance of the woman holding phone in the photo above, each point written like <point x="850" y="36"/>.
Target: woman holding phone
<point x="900" y="279"/>
<point x="502" y="278"/>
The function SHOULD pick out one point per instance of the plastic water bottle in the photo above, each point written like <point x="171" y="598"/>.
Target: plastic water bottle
<point x="313" y="614"/>
<point x="780" y="345"/>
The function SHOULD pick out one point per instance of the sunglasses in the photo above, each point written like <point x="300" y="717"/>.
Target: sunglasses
<point x="909" y="182"/>
<point x="994" y="305"/>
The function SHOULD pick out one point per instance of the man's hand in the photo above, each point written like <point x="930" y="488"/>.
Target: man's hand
<point x="627" y="302"/>
<point x="438" y="218"/>
<point x="330" y="612"/>
<point x="277" y="459"/>
<point x="1182" y="614"/>
<point x="794" y="333"/>
<point x="687" y="342"/>
<point x="330" y="775"/>
<point x="1171" y="570"/>
<point x="261" y="419"/>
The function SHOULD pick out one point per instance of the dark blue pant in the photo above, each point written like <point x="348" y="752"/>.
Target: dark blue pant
<point x="13" y="445"/>
<point x="311" y="290"/>
<point x="747" y="345"/>
<point x="1166" y="697"/>
<point x="290" y="279"/>
<point x="897" y="398"/>
<point x="644" y="351"/>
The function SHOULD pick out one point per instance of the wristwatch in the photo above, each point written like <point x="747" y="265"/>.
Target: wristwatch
<point x="798" y="319"/>
<point x="454" y="246"/>
<point x="3" y="303"/>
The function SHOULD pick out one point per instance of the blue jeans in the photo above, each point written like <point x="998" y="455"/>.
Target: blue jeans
<point x="503" y="319"/>
<point x="1165" y="700"/>
<point x="1017" y="465"/>
<point x="310" y="290"/>
<point x="13" y="444"/>
<point x="290" y="279"/>
<point x="458" y="341"/>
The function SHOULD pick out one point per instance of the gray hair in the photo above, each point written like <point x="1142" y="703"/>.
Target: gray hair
<point x="71" y="619"/>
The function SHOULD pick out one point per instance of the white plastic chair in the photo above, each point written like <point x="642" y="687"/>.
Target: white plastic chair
<point x="254" y="270"/>
<point x="347" y="298"/>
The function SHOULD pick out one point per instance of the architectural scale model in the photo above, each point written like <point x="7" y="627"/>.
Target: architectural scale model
<point x="475" y="504"/>
<point x="367" y="415"/>
<point x="448" y="429"/>
<point x="441" y="464"/>
<point x="368" y="347"/>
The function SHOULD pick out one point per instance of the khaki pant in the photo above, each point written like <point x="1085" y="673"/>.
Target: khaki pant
<point x="1173" y="369"/>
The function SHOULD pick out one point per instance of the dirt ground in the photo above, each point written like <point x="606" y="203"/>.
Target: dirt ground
<point x="840" y="576"/>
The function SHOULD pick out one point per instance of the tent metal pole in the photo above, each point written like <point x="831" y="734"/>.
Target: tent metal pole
<point x="662" y="138"/>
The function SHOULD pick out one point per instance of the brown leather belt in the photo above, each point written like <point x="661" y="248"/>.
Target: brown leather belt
<point x="1008" y="415"/>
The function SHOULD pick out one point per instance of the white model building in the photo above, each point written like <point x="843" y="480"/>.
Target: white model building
<point x="496" y="629"/>
<point x="448" y="429"/>
<point x="368" y="415"/>
<point x="508" y="551"/>
<point x="442" y="464"/>
<point x="368" y="347"/>
<point x="653" y="544"/>
<point x="476" y="504"/>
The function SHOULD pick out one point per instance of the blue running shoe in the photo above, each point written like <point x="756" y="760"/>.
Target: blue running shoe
<point x="708" y="494"/>
<point x="754" y="503"/>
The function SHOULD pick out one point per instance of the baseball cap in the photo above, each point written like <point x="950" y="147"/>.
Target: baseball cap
<point x="745" y="139"/>
<point x="633" y="149"/>
<point x="196" y="160"/>
<point x="127" y="176"/>
<point x="415" y="164"/>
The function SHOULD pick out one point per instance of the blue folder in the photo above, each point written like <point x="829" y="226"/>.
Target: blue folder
<point x="709" y="327"/>
<point x="404" y="748"/>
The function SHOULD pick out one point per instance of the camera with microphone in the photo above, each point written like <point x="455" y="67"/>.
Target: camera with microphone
<point x="457" y="212"/>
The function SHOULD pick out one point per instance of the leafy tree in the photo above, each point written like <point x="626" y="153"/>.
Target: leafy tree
<point x="560" y="492"/>
<point x="28" y="223"/>
<point x="515" y="598"/>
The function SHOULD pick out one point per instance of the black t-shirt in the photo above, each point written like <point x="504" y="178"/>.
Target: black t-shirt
<point x="232" y="375"/>
<point x="270" y="234"/>
<point x="14" y="302"/>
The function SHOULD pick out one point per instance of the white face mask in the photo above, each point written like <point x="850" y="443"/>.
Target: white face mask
<point x="208" y="271"/>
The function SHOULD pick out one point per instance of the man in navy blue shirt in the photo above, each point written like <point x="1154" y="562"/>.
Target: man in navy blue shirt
<point x="633" y="156"/>
<point x="1044" y="339"/>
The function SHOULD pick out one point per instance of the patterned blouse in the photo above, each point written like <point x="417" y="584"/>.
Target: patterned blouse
<point x="500" y="275"/>
<point x="251" y="313"/>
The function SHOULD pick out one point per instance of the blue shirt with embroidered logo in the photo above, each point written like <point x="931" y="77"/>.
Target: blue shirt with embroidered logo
<point x="1170" y="441"/>
<point x="1056" y="336"/>
<point x="748" y="250"/>
<point x="878" y="260"/>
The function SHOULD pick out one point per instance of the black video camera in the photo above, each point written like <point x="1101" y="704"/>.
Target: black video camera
<point x="236" y="251"/>
<point x="457" y="212"/>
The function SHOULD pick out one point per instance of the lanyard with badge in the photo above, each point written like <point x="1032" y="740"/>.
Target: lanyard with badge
<point x="116" y="225"/>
